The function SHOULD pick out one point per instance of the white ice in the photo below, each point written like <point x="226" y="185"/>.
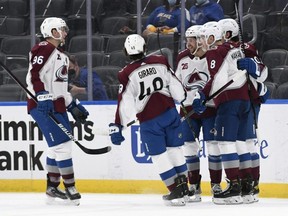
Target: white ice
<point x="32" y="204"/>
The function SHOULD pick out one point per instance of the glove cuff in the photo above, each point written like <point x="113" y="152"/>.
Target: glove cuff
<point x="114" y="128"/>
<point x="73" y="103"/>
<point x="44" y="97"/>
<point x="257" y="71"/>
<point x="262" y="89"/>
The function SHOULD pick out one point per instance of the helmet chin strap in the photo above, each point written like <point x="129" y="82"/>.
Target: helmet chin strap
<point x="195" y="51"/>
<point x="210" y="45"/>
<point x="62" y="42"/>
<point x="197" y="47"/>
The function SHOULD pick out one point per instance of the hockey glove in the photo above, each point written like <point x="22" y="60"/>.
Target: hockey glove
<point x="115" y="133"/>
<point x="45" y="103"/>
<point x="198" y="104"/>
<point x="168" y="31"/>
<point x="152" y="28"/>
<point x="250" y="65"/>
<point x="78" y="112"/>
<point x="263" y="91"/>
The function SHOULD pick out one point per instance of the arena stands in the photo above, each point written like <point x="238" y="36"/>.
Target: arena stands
<point x="109" y="16"/>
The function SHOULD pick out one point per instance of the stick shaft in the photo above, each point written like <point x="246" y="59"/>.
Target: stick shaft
<point x="65" y="130"/>
<point x="215" y="93"/>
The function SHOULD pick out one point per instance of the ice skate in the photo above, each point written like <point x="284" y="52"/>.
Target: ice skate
<point x="55" y="196"/>
<point x="247" y="190"/>
<point x="255" y="191"/>
<point x="194" y="194"/>
<point x="215" y="188"/>
<point x="176" y="196"/>
<point x="73" y="195"/>
<point x="231" y="195"/>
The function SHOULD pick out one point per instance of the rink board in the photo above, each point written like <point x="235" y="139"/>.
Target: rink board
<point x="126" y="169"/>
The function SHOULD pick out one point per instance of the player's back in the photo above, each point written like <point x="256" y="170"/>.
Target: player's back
<point x="222" y="63"/>
<point x="148" y="80"/>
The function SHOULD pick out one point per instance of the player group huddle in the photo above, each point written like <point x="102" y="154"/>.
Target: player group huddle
<point x="219" y="92"/>
<point x="219" y="85"/>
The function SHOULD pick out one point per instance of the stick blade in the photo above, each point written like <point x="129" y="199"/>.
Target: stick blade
<point x="99" y="151"/>
<point x="96" y="151"/>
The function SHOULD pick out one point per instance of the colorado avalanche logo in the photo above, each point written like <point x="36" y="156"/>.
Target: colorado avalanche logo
<point x="61" y="74"/>
<point x="195" y="80"/>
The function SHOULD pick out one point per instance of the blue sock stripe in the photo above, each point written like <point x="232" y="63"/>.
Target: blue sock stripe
<point x="65" y="163"/>
<point x="168" y="174"/>
<point x="51" y="162"/>
<point x="193" y="159"/>
<point x="245" y="157"/>
<point x="214" y="159"/>
<point x="181" y="169"/>
<point x="230" y="157"/>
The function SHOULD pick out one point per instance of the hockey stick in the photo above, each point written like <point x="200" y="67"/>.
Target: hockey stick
<point x="242" y="47"/>
<point x="239" y="75"/>
<point x="191" y="127"/>
<point x="284" y="8"/>
<point x="105" y="131"/>
<point x="145" y="7"/>
<point x="47" y="6"/>
<point x="76" y="15"/>
<point x="181" y="104"/>
<point x="65" y="130"/>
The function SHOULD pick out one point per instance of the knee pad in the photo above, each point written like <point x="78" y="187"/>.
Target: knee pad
<point x="62" y="151"/>
<point x="227" y="147"/>
<point x="162" y="162"/>
<point x="251" y="146"/>
<point x="241" y="147"/>
<point x="213" y="148"/>
<point x="176" y="156"/>
<point x="50" y="153"/>
<point x="190" y="148"/>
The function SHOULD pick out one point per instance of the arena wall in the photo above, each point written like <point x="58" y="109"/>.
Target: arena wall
<point x="126" y="169"/>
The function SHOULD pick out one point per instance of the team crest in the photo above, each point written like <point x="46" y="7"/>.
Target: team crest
<point x="61" y="74"/>
<point x="195" y="80"/>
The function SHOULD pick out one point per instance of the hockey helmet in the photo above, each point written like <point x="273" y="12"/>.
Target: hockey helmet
<point x="52" y="23"/>
<point x="193" y="31"/>
<point x="134" y="44"/>
<point x="229" y="24"/>
<point x="211" y="28"/>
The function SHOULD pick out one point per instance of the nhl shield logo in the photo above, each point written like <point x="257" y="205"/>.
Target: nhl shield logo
<point x="138" y="148"/>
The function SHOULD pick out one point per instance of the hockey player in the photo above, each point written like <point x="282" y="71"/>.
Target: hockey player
<point x="148" y="85"/>
<point x="192" y="71"/>
<point x="258" y="72"/>
<point x="47" y="78"/>
<point x="232" y="106"/>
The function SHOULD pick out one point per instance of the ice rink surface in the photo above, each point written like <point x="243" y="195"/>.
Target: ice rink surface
<point x="14" y="204"/>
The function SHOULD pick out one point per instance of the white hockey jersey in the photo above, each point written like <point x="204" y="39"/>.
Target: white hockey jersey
<point x="47" y="71"/>
<point x="193" y="73"/>
<point x="147" y="88"/>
